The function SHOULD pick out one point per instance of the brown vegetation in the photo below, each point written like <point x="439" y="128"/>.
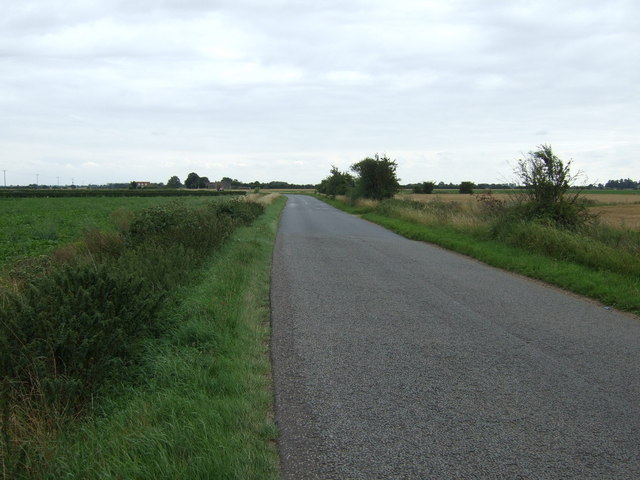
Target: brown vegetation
<point x="613" y="209"/>
<point x="619" y="216"/>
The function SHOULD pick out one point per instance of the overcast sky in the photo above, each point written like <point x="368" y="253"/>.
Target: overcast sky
<point x="103" y="91"/>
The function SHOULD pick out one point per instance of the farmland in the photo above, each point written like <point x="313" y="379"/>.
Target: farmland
<point x="37" y="226"/>
<point x="616" y="209"/>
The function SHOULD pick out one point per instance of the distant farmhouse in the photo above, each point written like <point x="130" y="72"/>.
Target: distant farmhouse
<point x="221" y="185"/>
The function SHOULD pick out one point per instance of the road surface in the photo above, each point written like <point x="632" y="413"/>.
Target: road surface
<point x="395" y="359"/>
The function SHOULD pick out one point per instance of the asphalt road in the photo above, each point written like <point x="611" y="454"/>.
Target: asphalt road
<point x="395" y="359"/>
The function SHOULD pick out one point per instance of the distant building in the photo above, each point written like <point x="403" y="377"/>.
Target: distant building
<point x="220" y="186"/>
<point x="143" y="184"/>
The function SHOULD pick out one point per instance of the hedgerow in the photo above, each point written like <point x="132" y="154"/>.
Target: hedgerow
<point x="114" y="192"/>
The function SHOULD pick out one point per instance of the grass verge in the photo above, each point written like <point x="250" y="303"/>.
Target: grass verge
<point x="611" y="288"/>
<point x="204" y="408"/>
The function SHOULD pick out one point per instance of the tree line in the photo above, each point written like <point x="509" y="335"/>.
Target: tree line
<point x="623" y="184"/>
<point x="375" y="178"/>
<point x="545" y="180"/>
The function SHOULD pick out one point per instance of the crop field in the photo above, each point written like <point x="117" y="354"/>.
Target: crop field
<point x="626" y="216"/>
<point x="37" y="226"/>
<point x="618" y="210"/>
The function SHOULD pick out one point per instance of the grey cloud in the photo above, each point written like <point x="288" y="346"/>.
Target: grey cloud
<point x="309" y="80"/>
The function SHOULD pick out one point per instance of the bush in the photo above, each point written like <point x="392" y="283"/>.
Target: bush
<point x="424" y="187"/>
<point x="71" y="330"/>
<point x="338" y="183"/>
<point x="466" y="187"/>
<point x="376" y="177"/>
<point x="547" y="180"/>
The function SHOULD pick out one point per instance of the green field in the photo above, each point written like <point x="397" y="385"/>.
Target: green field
<point x="37" y="226"/>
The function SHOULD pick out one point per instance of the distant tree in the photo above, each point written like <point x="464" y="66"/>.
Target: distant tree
<point x="174" y="182"/>
<point x="424" y="187"/>
<point x="203" y="182"/>
<point x="277" y="184"/>
<point x="376" y="177"/>
<point x="133" y="185"/>
<point x="466" y="187"/>
<point x="337" y="183"/>
<point x="192" y="181"/>
<point x="229" y="182"/>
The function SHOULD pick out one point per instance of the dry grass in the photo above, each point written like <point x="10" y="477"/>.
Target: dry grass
<point x="263" y="199"/>
<point x="466" y="218"/>
<point x="416" y="197"/>
<point x="615" y="210"/>
<point x="598" y="198"/>
<point x="613" y="198"/>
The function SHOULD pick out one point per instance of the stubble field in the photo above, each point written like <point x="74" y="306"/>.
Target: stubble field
<point x="618" y="210"/>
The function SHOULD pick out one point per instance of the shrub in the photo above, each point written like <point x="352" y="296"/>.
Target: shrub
<point x="338" y="183"/>
<point x="201" y="228"/>
<point x="424" y="187"/>
<point x="547" y="180"/>
<point x="466" y="187"/>
<point x="68" y="332"/>
<point x="376" y="177"/>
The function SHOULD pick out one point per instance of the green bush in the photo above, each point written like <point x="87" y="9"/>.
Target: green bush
<point x="466" y="188"/>
<point x="201" y="228"/>
<point x="70" y="331"/>
<point x="376" y="177"/>
<point x="338" y="183"/>
<point x="547" y="181"/>
<point x="424" y="187"/>
<point x="567" y="213"/>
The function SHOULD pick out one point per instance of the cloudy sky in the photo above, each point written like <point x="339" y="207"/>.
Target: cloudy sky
<point x="103" y="91"/>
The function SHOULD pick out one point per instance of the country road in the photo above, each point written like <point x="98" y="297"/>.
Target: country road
<point x="395" y="359"/>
